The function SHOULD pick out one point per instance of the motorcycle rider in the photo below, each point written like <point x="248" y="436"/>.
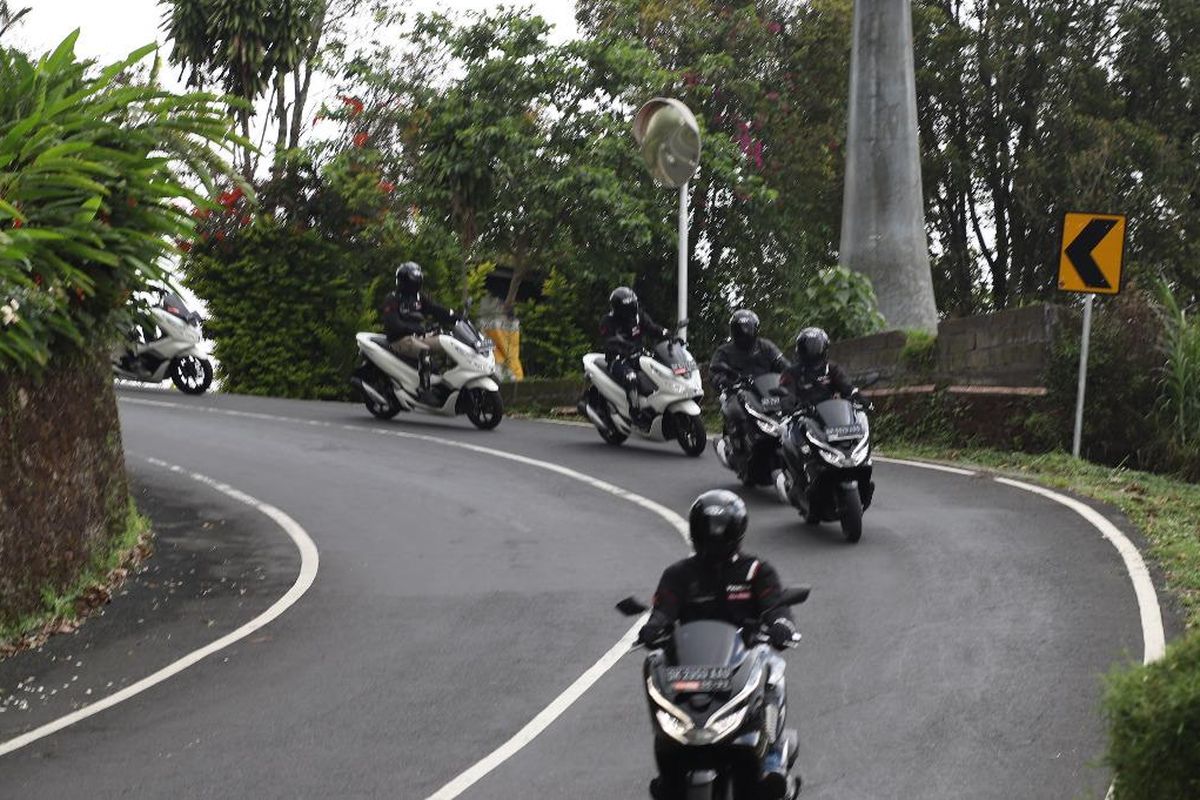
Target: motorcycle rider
<point x="404" y="312"/>
<point x="745" y="355"/>
<point x="720" y="582"/>
<point x="623" y="328"/>
<point x="813" y="378"/>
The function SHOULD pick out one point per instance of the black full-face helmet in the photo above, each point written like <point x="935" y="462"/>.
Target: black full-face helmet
<point x="743" y="328"/>
<point x="717" y="524"/>
<point x="624" y="302"/>
<point x="409" y="277"/>
<point x="812" y="348"/>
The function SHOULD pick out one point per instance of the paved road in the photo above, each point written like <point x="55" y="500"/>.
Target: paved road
<point x="954" y="653"/>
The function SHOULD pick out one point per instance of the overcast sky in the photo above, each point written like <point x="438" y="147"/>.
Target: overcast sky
<point x="110" y="29"/>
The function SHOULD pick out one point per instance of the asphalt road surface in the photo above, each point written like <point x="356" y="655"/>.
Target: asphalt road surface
<point x="955" y="652"/>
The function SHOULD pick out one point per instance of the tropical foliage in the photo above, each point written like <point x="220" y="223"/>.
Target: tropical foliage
<point x="93" y="164"/>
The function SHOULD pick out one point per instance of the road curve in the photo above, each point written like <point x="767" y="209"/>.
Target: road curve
<point x="954" y="653"/>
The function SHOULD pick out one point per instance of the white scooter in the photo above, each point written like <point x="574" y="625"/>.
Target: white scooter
<point x="669" y="385"/>
<point x="391" y="384"/>
<point x="175" y="354"/>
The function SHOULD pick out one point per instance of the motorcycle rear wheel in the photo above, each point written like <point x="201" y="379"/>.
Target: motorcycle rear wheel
<point x="380" y="411"/>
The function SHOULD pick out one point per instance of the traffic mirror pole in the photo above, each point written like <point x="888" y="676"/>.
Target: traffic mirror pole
<point x="1083" y="366"/>
<point x="682" y="293"/>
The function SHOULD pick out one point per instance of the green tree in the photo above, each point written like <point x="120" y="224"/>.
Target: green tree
<point x="92" y="164"/>
<point x="248" y="48"/>
<point x="10" y="16"/>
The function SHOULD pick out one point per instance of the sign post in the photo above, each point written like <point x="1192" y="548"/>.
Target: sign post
<point x="669" y="138"/>
<point x="1090" y="258"/>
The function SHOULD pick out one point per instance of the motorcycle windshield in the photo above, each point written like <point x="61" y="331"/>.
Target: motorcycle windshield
<point x="764" y="384"/>
<point x="469" y="335"/>
<point x="173" y="304"/>
<point x="837" y="413"/>
<point x="674" y="355"/>
<point x="707" y="643"/>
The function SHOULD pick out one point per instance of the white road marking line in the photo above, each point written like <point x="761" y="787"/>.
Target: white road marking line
<point x="927" y="465"/>
<point x="309" y="560"/>
<point x="1153" y="638"/>
<point x="567" y="698"/>
<point x="542" y="721"/>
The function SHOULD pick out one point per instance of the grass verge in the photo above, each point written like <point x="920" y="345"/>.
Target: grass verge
<point x="1166" y="510"/>
<point x="62" y="610"/>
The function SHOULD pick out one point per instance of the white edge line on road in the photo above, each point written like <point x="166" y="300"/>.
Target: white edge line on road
<point x="308" y="572"/>
<point x="970" y="473"/>
<point x="567" y="698"/>
<point x="1153" y="638"/>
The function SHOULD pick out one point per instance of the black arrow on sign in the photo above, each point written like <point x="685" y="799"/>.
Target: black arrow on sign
<point x="1080" y="252"/>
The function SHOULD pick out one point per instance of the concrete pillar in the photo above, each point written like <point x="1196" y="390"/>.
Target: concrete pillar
<point x="883" y="216"/>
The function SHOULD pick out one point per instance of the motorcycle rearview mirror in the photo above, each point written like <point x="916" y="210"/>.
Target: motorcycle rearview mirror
<point x="793" y="597"/>
<point x="632" y="607"/>
<point x="869" y="380"/>
<point x="683" y="323"/>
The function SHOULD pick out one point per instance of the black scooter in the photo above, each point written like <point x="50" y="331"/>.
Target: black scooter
<point x="753" y="454"/>
<point x="827" y="464"/>
<point x="707" y="690"/>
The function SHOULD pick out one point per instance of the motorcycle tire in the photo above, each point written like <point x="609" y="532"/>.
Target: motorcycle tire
<point x="192" y="375"/>
<point x="485" y="409"/>
<point x="691" y="434"/>
<point x="850" y="511"/>
<point x="381" y="412"/>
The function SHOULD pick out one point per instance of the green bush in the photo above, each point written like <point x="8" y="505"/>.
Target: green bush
<point x="289" y="283"/>
<point x="919" y="351"/>
<point x="1153" y="714"/>
<point x="840" y="301"/>
<point x="552" y="342"/>
<point x="91" y="164"/>
<point x="1179" y="386"/>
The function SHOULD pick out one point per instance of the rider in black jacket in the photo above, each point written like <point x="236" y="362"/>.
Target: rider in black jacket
<point x="404" y="312"/>
<point x="813" y="378"/>
<point x="744" y="355"/>
<point x="624" y="327"/>
<point x="720" y="582"/>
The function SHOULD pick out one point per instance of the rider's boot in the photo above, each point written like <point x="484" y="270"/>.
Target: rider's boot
<point x="424" y="370"/>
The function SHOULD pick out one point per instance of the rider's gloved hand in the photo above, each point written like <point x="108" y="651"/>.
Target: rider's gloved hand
<point x="651" y="634"/>
<point x="783" y="634"/>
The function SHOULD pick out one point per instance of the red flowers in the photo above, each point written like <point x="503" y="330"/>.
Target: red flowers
<point x="361" y="138"/>
<point x="354" y="104"/>
<point x="184" y="246"/>
<point x="16" y="223"/>
<point x="387" y="187"/>
<point x="230" y="198"/>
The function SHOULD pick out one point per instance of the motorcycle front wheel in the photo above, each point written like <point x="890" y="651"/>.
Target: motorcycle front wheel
<point x="485" y="409"/>
<point x="691" y="434"/>
<point x="851" y="511"/>
<point x="192" y="374"/>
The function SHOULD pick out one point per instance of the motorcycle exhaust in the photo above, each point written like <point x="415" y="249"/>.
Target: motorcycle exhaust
<point x="595" y="417"/>
<point x="721" y="448"/>
<point x="369" y="390"/>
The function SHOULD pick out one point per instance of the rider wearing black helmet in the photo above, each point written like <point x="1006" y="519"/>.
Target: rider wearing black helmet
<point x="744" y="355"/>
<point x="813" y="378"/>
<point x="404" y="312"/>
<point x="623" y="328"/>
<point x="720" y="582"/>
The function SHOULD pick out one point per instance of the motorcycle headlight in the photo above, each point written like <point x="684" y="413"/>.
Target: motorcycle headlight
<point x="672" y="726"/>
<point x="720" y="728"/>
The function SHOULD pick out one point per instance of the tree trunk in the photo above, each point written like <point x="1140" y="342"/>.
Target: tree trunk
<point x="883" y="213"/>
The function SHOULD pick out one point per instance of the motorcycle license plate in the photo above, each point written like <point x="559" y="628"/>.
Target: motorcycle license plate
<point x="698" y="679"/>
<point x="840" y="432"/>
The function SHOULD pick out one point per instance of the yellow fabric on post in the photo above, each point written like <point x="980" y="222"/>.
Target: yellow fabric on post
<point x="506" y="334"/>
